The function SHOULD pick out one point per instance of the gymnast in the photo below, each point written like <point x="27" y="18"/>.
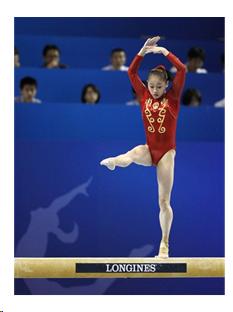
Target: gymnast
<point x="160" y="109"/>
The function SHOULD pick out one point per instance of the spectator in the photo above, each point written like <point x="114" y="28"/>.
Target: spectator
<point x="16" y="58"/>
<point x="191" y="97"/>
<point x="220" y="103"/>
<point x="196" y="58"/>
<point x="51" y="54"/>
<point x="118" y="60"/>
<point x="135" y="100"/>
<point x="28" y="90"/>
<point x="90" y="94"/>
<point x="223" y="62"/>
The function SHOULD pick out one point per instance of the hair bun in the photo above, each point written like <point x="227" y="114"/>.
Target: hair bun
<point x="160" y="68"/>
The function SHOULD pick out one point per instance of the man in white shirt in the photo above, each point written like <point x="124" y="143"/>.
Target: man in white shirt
<point x="16" y="58"/>
<point x="118" y="60"/>
<point x="196" y="58"/>
<point x="28" y="91"/>
<point x="220" y="103"/>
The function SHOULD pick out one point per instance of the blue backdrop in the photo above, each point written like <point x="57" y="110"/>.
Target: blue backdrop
<point x="67" y="205"/>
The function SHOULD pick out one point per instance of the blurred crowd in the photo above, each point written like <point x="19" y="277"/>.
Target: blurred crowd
<point x="90" y="94"/>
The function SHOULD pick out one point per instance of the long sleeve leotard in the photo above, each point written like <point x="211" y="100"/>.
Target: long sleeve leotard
<point x="159" y="115"/>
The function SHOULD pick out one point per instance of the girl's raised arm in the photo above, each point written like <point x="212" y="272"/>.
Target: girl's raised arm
<point x="136" y="81"/>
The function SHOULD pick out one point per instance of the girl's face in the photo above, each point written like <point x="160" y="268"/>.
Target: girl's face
<point x="156" y="86"/>
<point x="91" y="96"/>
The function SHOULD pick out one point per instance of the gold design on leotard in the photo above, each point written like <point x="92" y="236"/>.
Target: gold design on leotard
<point x="155" y="105"/>
<point x="148" y="101"/>
<point x="149" y="117"/>
<point x="162" y="114"/>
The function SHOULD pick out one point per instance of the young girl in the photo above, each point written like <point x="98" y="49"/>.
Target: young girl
<point x="160" y="110"/>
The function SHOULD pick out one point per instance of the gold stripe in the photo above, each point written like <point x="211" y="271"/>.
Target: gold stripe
<point x="149" y="117"/>
<point x="162" y="114"/>
<point x="65" y="267"/>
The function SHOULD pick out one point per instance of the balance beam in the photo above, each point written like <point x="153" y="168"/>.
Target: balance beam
<point x="118" y="267"/>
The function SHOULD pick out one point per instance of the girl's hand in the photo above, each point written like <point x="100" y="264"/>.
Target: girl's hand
<point x="156" y="49"/>
<point x="150" y="42"/>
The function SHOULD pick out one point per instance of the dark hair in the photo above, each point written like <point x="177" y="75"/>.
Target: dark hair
<point x="16" y="51"/>
<point x="196" y="52"/>
<point x="27" y="81"/>
<point x="84" y="90"/>
<point x="162" y="72"/>
<point x="189" y="94"/>
<point x="117" y="50"/>
<point x="50" y="47"/>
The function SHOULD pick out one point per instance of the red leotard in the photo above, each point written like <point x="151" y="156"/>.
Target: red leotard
<point x="159" y="115"/>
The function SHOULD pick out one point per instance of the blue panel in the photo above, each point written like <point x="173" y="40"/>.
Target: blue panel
<point x="66" y="85"/>
<point x="74" y="121"/>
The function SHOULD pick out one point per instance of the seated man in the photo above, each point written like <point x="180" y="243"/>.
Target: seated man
<point x="220" y="103"/>
<point x="28" y="90"/>
<point x="118" y="60"/>
<point x="196" y="58"/>
<point x="51" y="54"/>
<point x="191" y="97"/>
<point x="16" y="58"/>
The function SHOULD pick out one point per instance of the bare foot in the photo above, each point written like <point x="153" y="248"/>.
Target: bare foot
<point x="163" y="250"/>
<point x="109" y="163"/>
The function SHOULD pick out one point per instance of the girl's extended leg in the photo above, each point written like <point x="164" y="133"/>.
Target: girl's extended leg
<point x="165" y="176"/>
<point x="139" y="155"/>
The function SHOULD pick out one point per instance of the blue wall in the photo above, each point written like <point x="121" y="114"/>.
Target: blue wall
<point x="170" y="27"/>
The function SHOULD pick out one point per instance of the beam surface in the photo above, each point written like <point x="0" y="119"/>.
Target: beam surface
<point x="118" y="267"/>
